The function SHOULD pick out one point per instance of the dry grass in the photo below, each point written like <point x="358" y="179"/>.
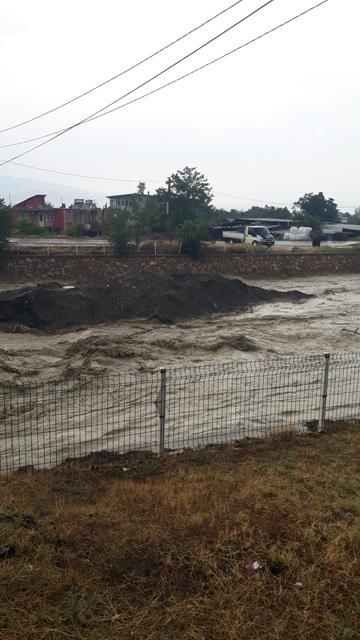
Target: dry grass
<point x="236" y="248"/>
<point x="158" y="551"/>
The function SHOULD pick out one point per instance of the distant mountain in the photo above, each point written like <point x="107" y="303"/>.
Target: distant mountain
<point x="17" y="189"/>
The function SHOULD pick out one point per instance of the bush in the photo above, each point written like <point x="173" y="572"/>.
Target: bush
<point x="26" y="228"/>
<point x="236" y="248"/>
<point x="76" y="230"/>
<point x="190" y="234"/>
<point x="118" y="233"/>
<point x="257" y="248"/>
<point x="192" y="248"/>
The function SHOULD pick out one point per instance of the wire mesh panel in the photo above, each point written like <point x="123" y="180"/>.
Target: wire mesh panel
<point x="343" y="394"/>
<point x="44" y="424"/>
<point x="220" y="403"/>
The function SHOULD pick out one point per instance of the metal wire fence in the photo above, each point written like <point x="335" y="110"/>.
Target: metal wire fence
<point x="43" y="424"/>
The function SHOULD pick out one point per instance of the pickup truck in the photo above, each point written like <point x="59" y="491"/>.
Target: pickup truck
<point x="252" y="235"/>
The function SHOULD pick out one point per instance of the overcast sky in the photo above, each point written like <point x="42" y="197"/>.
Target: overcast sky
<point x="276" y="120"/>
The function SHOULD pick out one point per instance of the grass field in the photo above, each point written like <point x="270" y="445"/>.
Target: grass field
<point x="155" y="549"/>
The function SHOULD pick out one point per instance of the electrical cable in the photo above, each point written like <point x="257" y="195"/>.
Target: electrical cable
<point x="122" y="73"/>
<point x="269" y="202"/>
<point x="232" y="195"/>
<point x="79" y="175"/>
<point x="172" y="82"/>
<point x="174" y="64"/>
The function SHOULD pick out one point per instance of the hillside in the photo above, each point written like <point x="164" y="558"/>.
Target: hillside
<point x="17" y="189"/>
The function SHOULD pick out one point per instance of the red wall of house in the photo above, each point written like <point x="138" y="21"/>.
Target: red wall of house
<point x="59" y="220"/>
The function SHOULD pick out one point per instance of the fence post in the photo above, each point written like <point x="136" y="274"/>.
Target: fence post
<point x="324" y="391"/>
<point x="162" y="408"/>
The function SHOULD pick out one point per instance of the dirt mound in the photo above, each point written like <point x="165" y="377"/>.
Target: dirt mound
<point x="135" y="295"/>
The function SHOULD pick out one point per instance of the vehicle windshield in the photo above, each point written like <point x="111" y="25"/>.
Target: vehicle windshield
<point x="263" y="232"/>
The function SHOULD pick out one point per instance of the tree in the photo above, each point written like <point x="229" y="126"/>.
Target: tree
<point x="267" y="212"/>
<point x="317" y="207"/>
<point x="355" y="218"/>
<point x="5" y="227"/>
<point x="191" y="185"/>
<point x="189" y="196"/>
<point x="117" y="231"/>
<point x="306" y="220"/>
<point x="190" y="234"/>
<point x="155" y="214"/>
<point x="139" y="222"/>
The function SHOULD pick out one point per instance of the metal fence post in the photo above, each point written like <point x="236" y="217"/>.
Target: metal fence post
<point x="162" y="408"/>
<point x="324" y="392"/>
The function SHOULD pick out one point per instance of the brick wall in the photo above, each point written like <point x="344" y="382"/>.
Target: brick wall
<point x="99" y="268"/>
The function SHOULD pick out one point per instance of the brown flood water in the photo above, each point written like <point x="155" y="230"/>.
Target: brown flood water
<point x="328" y="322"/>
<point x="42" y="425"/>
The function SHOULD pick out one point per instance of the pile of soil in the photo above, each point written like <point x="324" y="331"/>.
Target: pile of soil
<point x="134" y="295"/>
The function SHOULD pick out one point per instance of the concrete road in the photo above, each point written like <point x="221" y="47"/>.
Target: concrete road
<point x="103" y="242"/>
<point x="45" y="242"/>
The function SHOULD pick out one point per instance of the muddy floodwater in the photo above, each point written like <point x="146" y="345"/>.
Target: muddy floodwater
<point x="330" y="321"/>
<point x="71" y="393"/>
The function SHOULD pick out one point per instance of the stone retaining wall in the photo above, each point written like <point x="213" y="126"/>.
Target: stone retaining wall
<point x="100" y="268"/>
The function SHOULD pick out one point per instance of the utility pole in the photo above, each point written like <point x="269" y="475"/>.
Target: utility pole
<point x="168" y="182"/>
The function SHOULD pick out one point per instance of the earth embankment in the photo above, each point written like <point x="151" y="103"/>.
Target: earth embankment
<point x="135" y="295"/>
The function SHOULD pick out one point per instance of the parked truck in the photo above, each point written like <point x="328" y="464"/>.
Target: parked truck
<point x="253" y="235"/>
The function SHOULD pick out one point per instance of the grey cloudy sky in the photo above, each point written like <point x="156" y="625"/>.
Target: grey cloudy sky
<point x="272" y="122"/>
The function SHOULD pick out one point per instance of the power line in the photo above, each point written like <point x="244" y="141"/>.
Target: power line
<point x="269" y="202"/>
<point x="125" y="71"/>
<point x="231" y="195"/>
<point x="263" y="35"/>
<point x="176" y="80"/>
<point x="77" y="124"/>
<point x="152" y="180"/>
<point x="79" y="175"/>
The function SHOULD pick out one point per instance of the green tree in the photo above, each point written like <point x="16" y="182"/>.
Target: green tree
<point x="189" y="196"/>
<point x="117" y="231"/>
<point x="355" y="218"/>
<point x="267" y="212"/>
<point x="5" y="227"/>
<point x="190" y="233"/>
<point x="306" y="220"/>
<point x="317" y="207"/>
<point x="155" y="213"/>
<point x="138" y="220"/>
